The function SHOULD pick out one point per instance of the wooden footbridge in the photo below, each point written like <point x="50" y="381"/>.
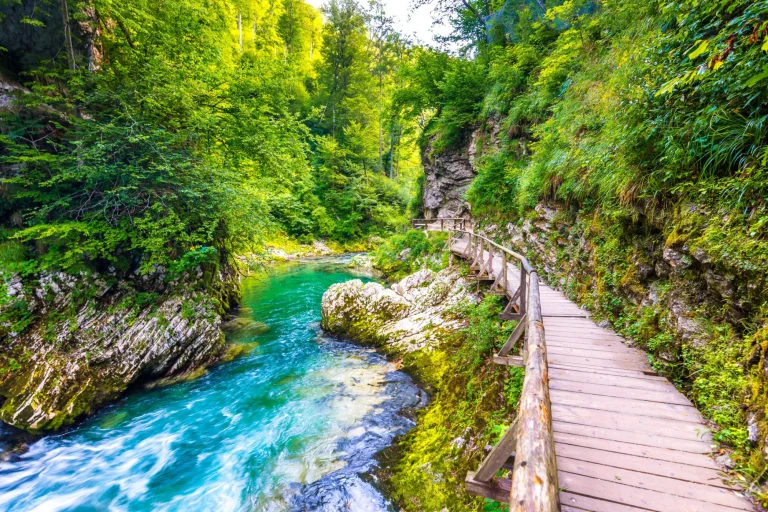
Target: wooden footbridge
<point x="597" y="429"/>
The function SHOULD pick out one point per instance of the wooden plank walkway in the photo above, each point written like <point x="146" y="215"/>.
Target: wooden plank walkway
<point x="625" y="438"/>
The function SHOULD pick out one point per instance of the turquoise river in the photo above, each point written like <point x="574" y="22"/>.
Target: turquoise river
<point x="293" y="425"/>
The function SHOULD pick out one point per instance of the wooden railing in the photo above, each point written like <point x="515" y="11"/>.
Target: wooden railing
<point x="442" y="223"/>
<point x="528" y="446"/>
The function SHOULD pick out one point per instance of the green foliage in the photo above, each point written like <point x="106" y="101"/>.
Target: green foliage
<point x="463" y="86"/>
<point x="188" y="141"/>
<point x="402" y="255"/>
<point x="450" y="90"/>
<point x="474" y="399"/>
<point x="720" y="386"/>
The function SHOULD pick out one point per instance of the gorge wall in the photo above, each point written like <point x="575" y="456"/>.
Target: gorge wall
<point x="448" y="174"/>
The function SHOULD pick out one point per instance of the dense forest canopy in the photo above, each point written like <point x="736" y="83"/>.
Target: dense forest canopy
<point x="170" y="132"/>
<point x="175" y="132"/>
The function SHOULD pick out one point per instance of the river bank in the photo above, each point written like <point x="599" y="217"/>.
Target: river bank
<point x="442" y="333"/>
<point x="76" y="342"/>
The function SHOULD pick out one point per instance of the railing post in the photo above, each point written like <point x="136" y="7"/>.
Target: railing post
<point x="523" y="288"/>
<point x="480" y="251"/>
<point x="490" y="259"/>
<point x="504" y="269"/>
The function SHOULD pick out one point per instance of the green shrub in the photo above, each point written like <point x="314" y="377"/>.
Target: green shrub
<point x="422" y="250"/>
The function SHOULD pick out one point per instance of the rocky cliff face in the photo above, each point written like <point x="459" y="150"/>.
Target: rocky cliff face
<point x="70" y="344"/>
<point x="448" y="174"/>
<point x="409" y="316"/>
<point x="447" y="178"/>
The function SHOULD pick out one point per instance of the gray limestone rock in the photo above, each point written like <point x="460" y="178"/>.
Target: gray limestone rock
<point x="92" y="337"/>
<point x="406" y="317"/>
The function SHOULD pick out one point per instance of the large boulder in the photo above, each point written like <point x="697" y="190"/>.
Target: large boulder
<point x="409" y="316"/>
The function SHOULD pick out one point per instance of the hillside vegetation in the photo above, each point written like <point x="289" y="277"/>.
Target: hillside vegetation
<point x="624" y="146"/>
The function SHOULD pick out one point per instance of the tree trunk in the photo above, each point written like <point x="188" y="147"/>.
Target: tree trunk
<point x="333" y="122"/>
<point x="68" y="35"/>
<point x="381" y="135"/>
<point x="392" y="153"/>
<point x="68" y="43"/>
<point x="240" y="29"/>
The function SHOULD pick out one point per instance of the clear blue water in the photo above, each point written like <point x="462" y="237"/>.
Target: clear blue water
<point x="294" y="425"/>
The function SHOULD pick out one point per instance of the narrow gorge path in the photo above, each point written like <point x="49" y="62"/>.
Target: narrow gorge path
<point x="625" y="438"/>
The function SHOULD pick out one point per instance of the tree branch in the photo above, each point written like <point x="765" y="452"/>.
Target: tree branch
<point x="474" y="11"/>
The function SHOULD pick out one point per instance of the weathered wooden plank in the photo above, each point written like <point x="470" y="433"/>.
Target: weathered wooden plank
<point x="564" y="330"/>
<point x="498" y="455"/>
<point x="570" y="336"/>
<point x="509" y="360"/>
<point x="637" y="380"/>
<point x="585" y="503"/>
<point x="566" y="325"/>
<point x="600" y="346"/>
<point x="567" y="335"/>
<point x="706" y="476"/>
<point x="497" y="489"/>
<point x="650" y="452"/>
<point x="616" y="372"/>
<point x="669" y="486"/>
<point x="514" y="337"/>
<point x="587" y="344"/>
<point x="591" y="323"/>
<point x="632" y="423"/>
<point x="619" y="493"/>
<point x="666" y="395"/>
<point x="653" y="440"/>
<point x="597" y="354"/>
<point x="683" y="413"/>
<point x="597" y="362"/>
<point x="534" y="478"/>
<point x="575" y="323"/>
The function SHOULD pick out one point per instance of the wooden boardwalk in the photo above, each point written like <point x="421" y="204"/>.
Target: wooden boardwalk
<point x="625" y="438"/>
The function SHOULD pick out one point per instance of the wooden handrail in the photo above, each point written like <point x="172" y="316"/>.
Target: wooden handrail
<point x="440" y="223"/>
<point x="534" y="475"/>
<point x="530" y="441"/>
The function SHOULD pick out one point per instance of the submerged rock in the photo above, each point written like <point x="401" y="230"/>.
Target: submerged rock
<point x="241" y="323"/>
<point x="362" y="265"/>
<point x="88" y="338"/>
<point x="406" y="317"/>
